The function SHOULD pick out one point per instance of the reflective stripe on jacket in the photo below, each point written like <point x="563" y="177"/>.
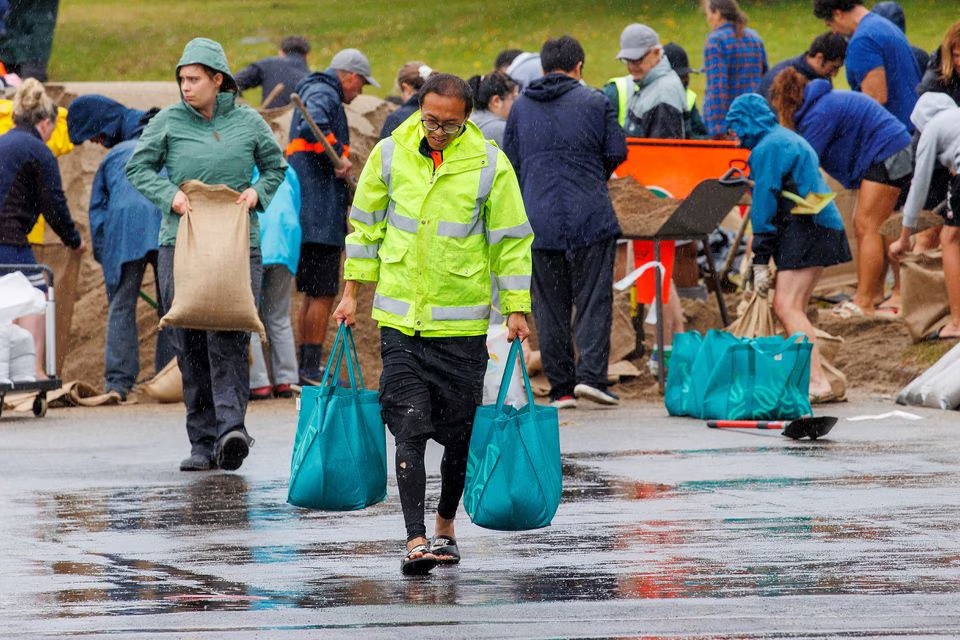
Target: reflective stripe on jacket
<point x="434" y="240"/>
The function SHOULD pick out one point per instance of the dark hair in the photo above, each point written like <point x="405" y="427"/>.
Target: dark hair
<point x="824" y="9"/>
<point x="833" y="46"/>
<point x="505" y="57"/>
<point x="296" y="45"/>
<point x="413" y="73"/>
<point x="786" y="95"/>
<point x="449" y="86"/>
<point x="493" y="84"/>
<point x="730" y="11"/>
<point x="561" y="54"/>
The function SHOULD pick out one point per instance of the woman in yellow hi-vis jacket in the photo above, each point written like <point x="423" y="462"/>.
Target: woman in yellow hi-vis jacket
<point x="437" y="214"/>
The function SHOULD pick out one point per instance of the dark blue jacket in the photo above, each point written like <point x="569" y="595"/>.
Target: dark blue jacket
<point x="401" y="113"/>
<point x="93" y="115"/>
<point x="323" y="196"/>
<point x="849" y="131"/>
<point x="124" y="225"/>
<point x="799" y="63"/>
<point x="287" y="70"/>
<point x="564" y="142"/>
<point x="30" y="185"/>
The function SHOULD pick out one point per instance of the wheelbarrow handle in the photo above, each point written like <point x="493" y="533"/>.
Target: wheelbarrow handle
<point x="734" y="176"/>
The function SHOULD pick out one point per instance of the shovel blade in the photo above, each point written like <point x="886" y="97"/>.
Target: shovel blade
<point x="812" y="428"/>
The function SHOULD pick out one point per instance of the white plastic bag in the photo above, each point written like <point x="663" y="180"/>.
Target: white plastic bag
<point x="19" y="298"/>
<point x="498" y="348"/>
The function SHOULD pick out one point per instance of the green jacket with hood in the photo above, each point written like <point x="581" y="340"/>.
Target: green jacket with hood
<point x="222" y="150"/>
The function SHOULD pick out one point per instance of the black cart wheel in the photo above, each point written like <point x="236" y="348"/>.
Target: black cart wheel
<point x="40" y="405"/>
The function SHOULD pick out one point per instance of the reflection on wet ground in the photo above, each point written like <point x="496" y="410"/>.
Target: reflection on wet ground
<point x="222" y="542"/>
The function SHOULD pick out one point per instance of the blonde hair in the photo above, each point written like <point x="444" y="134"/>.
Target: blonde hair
<point x="32" y="105"/>
<point x="951" y="41"/>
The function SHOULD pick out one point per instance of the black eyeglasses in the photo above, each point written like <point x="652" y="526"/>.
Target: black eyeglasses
<point x="449" y="129"/>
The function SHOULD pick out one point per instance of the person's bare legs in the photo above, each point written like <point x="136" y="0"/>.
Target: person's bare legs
<point x="950" y="245"/>
<point x="791" y="297"/>
<point x="37" y="325"/>
<point x="313" y="319"/>
<point x="875" y="204"/>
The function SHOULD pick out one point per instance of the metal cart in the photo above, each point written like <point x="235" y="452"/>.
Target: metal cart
<point x="50" y="365"/>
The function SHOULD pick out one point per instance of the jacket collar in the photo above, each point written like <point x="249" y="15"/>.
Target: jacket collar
<point x="468" y="144"/>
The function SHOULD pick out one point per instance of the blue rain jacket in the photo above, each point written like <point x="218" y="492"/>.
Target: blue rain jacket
<point x="280" y="232"/>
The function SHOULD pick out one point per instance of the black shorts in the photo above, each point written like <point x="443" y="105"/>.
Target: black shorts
<point x="802" y="243"/>
<point x="951" y="214"/>
<point x="899" y="165"/>
<point x="318" y="273"/>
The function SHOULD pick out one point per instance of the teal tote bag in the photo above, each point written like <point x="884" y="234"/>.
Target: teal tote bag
<point x="339" y="460"/>
<point x="764" y="378"/>
<point x="514" y="478"/>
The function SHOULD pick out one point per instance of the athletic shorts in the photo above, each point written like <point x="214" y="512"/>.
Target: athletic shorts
<point x="895" y="171"/>
<point x="318" y="273"/>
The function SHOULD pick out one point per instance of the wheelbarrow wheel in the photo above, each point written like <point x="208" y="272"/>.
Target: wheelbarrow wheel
<point x="40" y="405"/>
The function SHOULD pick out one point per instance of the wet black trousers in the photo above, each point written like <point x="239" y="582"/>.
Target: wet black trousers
<point x="573" y="303"/>
<point x="430" y="388"/>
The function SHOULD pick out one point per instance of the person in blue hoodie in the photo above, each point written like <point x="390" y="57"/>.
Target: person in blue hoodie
<point x="863" y="146"/>
<point x="124" y="226"/>
<point x="800" y="245"/>
<point x="564" y="142"/>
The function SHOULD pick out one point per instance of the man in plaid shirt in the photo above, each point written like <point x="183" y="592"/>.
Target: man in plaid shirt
<point x="734" y="61"/>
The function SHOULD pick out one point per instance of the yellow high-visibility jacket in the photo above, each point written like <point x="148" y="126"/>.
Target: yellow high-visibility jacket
<point x="432" y="240"/>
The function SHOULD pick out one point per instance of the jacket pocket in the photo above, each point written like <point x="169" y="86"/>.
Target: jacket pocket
<point x="463" y="263"/>
<point x="391" y="255"/>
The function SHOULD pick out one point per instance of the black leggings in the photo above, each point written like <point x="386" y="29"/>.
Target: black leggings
<point x="430" y="388"/>
<point x="412" y="482"/>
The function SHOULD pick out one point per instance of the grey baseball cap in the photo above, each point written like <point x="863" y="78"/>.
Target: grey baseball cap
<point x="353" y="61"/>
<point x="636" y="40"/>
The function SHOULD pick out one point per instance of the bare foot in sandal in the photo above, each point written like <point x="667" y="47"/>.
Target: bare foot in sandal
<point x="417" y="561"/>
<point x="443" y="545"/>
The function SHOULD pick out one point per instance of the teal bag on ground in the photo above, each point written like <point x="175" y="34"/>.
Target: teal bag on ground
<point x="764" y="378"/>
<point x="514" y="477"/>
<point x="339" y="458"/>
<point x="722" y="377"/>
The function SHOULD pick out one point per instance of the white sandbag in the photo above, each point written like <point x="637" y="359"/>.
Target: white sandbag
<point x="4" y="356"/>
<point x="938" y="387"/>
<point x="23" y="354"/>
<point x="19" y="298"/>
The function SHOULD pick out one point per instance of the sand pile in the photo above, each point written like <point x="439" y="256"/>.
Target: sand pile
<point x="639" y="211"/>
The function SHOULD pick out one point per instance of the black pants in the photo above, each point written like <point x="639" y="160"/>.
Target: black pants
<point x="574" y="287"/>
<point x="214" y="365"/>
<point x="430" y="388"/>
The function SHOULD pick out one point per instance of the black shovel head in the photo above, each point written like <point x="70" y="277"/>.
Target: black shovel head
<point x="811" y="428"/>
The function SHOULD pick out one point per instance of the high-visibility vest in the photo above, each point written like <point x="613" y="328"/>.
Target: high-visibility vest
<point x="626" y="87"/>
<point x="432" y="238"/>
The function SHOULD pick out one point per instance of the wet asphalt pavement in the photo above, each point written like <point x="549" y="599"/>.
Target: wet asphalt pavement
<point x="667" y="530"/>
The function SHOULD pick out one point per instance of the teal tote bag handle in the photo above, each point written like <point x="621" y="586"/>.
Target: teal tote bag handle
<point x="515" y="355"/>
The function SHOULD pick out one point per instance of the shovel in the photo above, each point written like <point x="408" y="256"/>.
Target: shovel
<point x="811" y="428"/>
<point x="813" y="203"/>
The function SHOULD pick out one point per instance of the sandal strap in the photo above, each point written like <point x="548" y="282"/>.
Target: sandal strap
<point x="420" y="548"/>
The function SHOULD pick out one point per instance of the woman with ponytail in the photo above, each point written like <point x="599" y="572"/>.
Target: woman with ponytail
<point x="30" y="185"/>
<point x="494" y="95"/>
<point x="410" y="78"/>
<point x="863" y="146"/>
<point x="734" y="61"/>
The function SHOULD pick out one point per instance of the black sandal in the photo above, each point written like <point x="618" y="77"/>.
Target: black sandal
<point x="417" y="566"/>
<point x="446" y="547"/>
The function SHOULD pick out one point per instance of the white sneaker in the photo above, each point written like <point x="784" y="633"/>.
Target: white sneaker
<point x="564" y="402"/>
<point x="600" y="396"/>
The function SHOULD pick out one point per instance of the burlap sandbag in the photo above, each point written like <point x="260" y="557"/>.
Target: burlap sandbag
<point x="755" y="319"/>
<point x="211" y="265"/>
<point x="166" y="386"/>
<point x="924" y="293"/>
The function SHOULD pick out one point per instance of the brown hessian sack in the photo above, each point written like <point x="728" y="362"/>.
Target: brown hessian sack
<point x="923" y="293"/>
<point x="211" y="265"/>
<point x="755" y="319"/>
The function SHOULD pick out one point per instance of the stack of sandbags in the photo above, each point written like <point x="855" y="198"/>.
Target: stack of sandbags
<point x="18" y="357"/>
<point x="938" y="387"/>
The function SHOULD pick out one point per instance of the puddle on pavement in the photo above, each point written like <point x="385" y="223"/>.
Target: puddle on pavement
<point x="223" y="539"/>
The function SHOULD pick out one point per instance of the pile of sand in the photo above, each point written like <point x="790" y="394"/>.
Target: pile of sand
<point x="639" y="211"/>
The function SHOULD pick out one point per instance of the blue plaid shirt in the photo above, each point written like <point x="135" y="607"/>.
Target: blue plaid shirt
<point x="733" y="65"/>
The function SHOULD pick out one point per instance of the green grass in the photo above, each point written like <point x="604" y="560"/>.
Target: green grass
<point x="140" y="40"/>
